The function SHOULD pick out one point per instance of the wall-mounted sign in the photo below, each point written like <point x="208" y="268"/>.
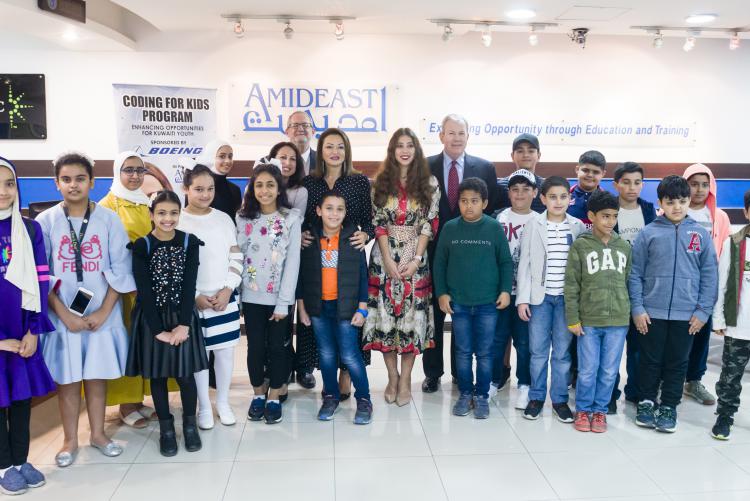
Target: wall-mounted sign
<point x="23" y="108"/>
<point x="258" y="112"/>
<point x="72" y="9"/>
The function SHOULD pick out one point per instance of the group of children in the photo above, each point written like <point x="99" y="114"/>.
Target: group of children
<point x="592" y="267"/>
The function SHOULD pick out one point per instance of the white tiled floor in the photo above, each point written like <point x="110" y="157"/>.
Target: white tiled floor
<point x="417" y="452"/>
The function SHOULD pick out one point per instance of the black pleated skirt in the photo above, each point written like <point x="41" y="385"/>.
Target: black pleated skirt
<point x="150" y="358"/>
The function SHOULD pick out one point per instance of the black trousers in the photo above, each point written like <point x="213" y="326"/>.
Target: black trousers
<point x="188" y="394"/>
<point x="664" y="353"/>
<point x="432" y="359"/>
<point x="14" y="433"/>
<point x="267" y="343"/>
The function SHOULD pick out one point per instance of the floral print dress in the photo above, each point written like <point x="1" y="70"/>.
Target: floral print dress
<point x="400" y="311"/>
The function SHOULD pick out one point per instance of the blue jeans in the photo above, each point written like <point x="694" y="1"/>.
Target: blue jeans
<point x="509" y="324"/>
<point x="547" y="328"/>
<point x="474" y="334"/>
<point x="599" y="355"/>
<point x="339" y="339"/>
<point x="631" y="367"/>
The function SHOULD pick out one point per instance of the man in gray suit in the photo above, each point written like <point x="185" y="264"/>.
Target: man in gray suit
<point x="450" y="167"/>
<point x="300" y="131"/>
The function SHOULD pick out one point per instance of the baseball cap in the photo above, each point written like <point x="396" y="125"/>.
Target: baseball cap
<point x="525" y="174"/>
<point x="526" y="138"/>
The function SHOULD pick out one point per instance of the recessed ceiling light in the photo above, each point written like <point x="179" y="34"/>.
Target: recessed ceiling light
<point x="700" y="18"/>
<point x="520" y="14"/>
<point x="70" y="34"/>
<point x="487" y="37"/>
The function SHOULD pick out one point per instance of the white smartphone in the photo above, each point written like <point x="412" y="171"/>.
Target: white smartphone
<point x="81" y="301"/>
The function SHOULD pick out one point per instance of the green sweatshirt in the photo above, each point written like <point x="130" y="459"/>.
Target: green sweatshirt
<point x="596" y="282"/>
<point x="472" y="262"/>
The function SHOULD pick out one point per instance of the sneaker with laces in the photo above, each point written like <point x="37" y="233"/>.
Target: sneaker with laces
<point x="273" y="413"/>
<point x="699" y="392"/>
<point x="257" y="409"/>
<point x="481" y="408"/>
<point x="722" y="428"/>
<point x="582" y="422"/>
<point x="364" y="411"/>
<point x="599" y="422"/>
<point x="666" y="419"/>
<point x="328" y="408"/>
<point x="562" y="412"/>
<point x="645" y="415"/>
<point x="463" y="405"/>
<point x="522" y="400"/>
<point x="533" y="410"/>
<point x="33" y="477"/>
<point x="13" y="483"/>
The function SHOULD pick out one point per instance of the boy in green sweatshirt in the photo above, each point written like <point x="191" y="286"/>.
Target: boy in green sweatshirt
<point x="473" y="274"/>
<point x="597" y="309"/>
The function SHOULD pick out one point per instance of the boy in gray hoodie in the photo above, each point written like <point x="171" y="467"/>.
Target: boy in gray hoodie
<point x="673" y="288"/>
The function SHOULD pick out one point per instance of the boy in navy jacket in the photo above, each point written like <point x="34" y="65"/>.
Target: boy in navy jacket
<point x="673" y="288"/>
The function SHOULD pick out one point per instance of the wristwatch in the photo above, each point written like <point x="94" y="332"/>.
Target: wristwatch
<point x="419" y="259"/>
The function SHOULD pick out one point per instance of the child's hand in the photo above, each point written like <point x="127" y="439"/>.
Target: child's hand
<point x="28" y="345"/>
<point x="503" y="300"/>
<point x="392" y="269"/>
<point x="642" y="322"/>
<point x="524" y="313"/>
<point x="11" y="345"/>
<point x="444" y="302"/>
<point x="359" y="240"/>
<point x="576" y="329"/>
<point x="165" y="337"/>
<point x="74" y="323"/>
<point x="695" y="325"/>
<point x="720" y="332"/>
<point x="304" y="318"/>
<point x="358" y="320"/>
<point x="179" y="335"/>
<point x="203" y="302"/>
<point x="221" y="299"/>
<point x="277" y="317"/>
<point x="307" y="239"/>
<point x="96" y="319"/>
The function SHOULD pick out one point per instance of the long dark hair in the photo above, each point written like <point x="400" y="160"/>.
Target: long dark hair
<point x="296" y="178"/>
<point x="418" y="185"/>
<point x="347" y="168"/>
<point x="250" y="206"/>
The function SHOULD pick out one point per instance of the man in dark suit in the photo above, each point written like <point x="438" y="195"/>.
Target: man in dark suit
<point x="300" y="131"/>
<point x="450" y="167"/>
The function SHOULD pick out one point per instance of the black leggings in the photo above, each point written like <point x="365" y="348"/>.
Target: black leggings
<point x="188" y="393"/>
<point x="267" y="343"/>
<point x="14" y="433"/>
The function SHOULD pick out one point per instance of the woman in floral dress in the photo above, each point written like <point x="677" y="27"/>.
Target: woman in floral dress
<point x="400" y="321"/>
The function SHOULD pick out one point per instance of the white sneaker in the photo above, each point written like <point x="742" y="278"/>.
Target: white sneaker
<point x="226" y="415"/>
<point x="522" y="401"/>
<point x="205" y="419"/>
<point x="493" y="391"/>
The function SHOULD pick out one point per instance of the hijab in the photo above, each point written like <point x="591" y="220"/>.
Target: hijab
<point x="227" y="196"/>
<point x="21" y="270"/>
<point x="118" y="189"/>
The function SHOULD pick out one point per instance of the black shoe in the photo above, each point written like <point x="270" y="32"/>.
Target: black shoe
<point x="722" y="428"/>
<point x="504" y="380"/>
<point x="344" y="396"/>
<point x="430" y="384"/>
<point x="306" y="380"/>
<point x="167" y="437"/>
<point x="190" y="434"/>
<point x="454" y="380"/>
<point x="563" y="413"/>
<point x="533" y="410"/>
<point x="612" y="407"/>
<point x="632" y="399"/>
<point x="256" y="410"/>
<point x="283" y="398"/>
<point x="272" y="413"/>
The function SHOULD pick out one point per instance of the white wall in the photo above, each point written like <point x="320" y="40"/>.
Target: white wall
<point x="614" y="76"/>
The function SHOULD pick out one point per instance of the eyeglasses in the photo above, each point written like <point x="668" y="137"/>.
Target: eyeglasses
<point x="133" y="171"/>
<point x="300" y="126"/>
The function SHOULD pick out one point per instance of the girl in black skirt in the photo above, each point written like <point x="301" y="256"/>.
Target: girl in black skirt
<point x="166" y="340"/>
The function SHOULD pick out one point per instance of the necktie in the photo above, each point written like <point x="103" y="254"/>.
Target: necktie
<point x="453" y="185"/>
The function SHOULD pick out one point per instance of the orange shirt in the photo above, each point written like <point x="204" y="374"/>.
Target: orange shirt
<point x="329" y="259"/>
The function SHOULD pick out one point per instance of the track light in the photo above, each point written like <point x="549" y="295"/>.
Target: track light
<point x="239" y="30"/>
<point x="288" y="31"/>
<point x="487" y="37"/>
<point x="578" y="36"/>
<point x="658" y="40"/>
<point x="689" y="44"/>
<point x="734" y="41"/>
<point x="447" y="33"/>
<point x="338" y="31"/>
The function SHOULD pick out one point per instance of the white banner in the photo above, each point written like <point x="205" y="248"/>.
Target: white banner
<point x="258" y="113"/>
<point x="165" y="124"/>
<point x="586" y="132"/>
